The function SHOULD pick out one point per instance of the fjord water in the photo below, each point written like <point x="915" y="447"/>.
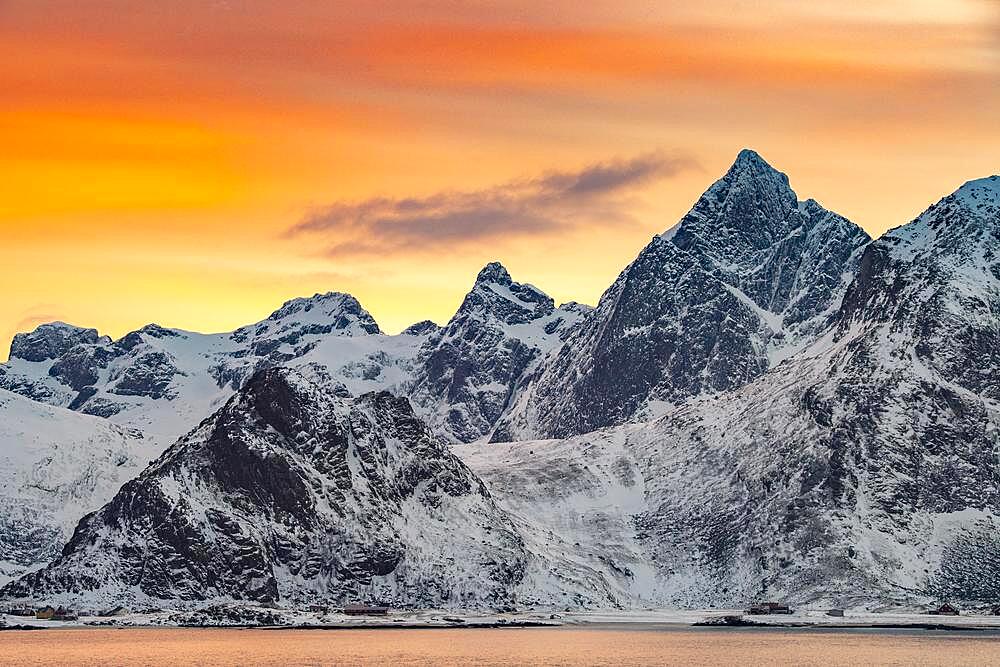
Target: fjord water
<point x="512" y="646"/>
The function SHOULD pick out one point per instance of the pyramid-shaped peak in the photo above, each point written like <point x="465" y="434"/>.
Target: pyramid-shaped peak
<point x="750" y="156"/>
<point x="749" y="163"/>
<point x="494" y="272"/>
<point x="746" y="212"/>
<point x="752" y="195"/>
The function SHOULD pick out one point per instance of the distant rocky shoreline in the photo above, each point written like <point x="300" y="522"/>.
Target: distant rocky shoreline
<point x="245" y="617"/>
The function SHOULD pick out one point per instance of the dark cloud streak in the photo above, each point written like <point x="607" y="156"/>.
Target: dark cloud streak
<point x="554" y="201"/>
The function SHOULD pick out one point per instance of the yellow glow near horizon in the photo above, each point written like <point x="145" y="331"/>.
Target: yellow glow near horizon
<point x="154" y="156"/>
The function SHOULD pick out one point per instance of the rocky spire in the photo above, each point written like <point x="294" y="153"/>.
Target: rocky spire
<point x="494" y="272"/>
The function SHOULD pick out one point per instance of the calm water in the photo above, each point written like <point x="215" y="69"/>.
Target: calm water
<point x="532" y="646"/>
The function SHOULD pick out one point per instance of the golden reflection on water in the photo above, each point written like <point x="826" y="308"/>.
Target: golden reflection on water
<point x="509" y="646"/>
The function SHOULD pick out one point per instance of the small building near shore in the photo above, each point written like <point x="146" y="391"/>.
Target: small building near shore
<point x="45" y="613"/>
<point x="765" y="608"/>
<point x="947" y="609"/>
<point x="365" y="610"/>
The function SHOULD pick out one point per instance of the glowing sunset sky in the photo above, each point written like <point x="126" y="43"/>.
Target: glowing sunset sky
<point x="196" y="163"/>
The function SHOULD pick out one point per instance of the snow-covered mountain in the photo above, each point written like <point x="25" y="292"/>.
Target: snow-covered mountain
<point x="157" y="383"/>
<point x="55" y="465"/>
<point x="468" y="371"/>
<point x="864" y="468"/>
<point x="823" y="425"/>
<point x="163" y="381"/>
<point x="750" y="275"/>
<point x="297" y="492"/>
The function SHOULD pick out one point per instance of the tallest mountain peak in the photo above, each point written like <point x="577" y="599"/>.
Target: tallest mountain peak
<point x="748" y="155"/>
<point x="753" y="200"/>
<point x="750" y="163"/>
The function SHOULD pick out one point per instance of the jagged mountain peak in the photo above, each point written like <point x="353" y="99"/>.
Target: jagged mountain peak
<point x="753" y="174"/>
<point x="749" y="161"/>
<point x="494" y="272"/>
<point x="469" y="369"/>
<point x="746" y="211"/>
<point x="496" y="295"/>
<point x="744" y="280"/>
<point x="328" y="303"/>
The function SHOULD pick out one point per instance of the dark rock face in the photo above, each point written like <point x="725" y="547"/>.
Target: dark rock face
<point x="747" y="274"/>
<point x="77" y="367"/>
<point x="290" y="492"/>
<point x="49" y="341"/>
<point x="149" y="375"/>
<point x="468" y="371"/>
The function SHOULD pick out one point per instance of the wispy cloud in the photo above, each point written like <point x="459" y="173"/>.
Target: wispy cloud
<point x="34" y="317"/>
<point x="554" y="201"/>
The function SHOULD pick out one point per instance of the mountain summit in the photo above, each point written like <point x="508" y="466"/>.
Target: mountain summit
<point x="49" y="341"/>
<point x="749" y="275"/>
<point x="468" y="371"/>
<point x="752" y="198"/>
<point x="495" y="295"/>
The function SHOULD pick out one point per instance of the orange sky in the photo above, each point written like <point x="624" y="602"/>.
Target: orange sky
<point x="155" y="156"/>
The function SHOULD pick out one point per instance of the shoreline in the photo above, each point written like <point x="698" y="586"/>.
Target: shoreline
<point x="915" y="629"/>
<point x="237" y="618"/>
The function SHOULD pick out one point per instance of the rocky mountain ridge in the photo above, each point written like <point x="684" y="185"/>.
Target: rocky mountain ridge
<point x="161" y="381"/>
<point x="823" y="426"/>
